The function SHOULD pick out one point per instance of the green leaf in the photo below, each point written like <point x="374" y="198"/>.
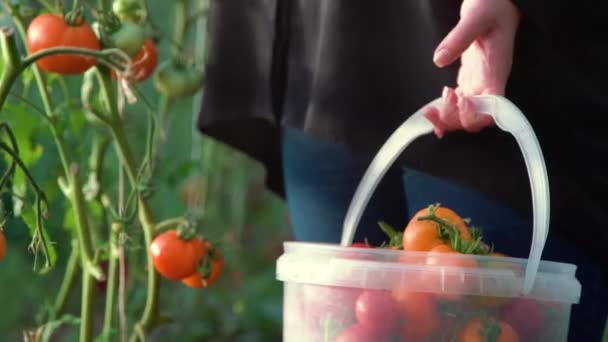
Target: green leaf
<point x="38" y="245"/>
<point x="25" y="126"/>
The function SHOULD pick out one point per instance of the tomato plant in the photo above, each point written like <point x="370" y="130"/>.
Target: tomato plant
<point x="174" y="257"/>
<point x="50" y="31"/>
<point x="487" y="329"/>
<point x="108" y="194"/>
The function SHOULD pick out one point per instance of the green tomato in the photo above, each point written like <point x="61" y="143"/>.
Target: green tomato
<point x="130" y="10"/>
<point x="129" y="38"/>
<point x="174" y="80"/>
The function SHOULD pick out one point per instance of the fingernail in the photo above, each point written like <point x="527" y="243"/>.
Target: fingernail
<point x="441" y="57"/>
<point x="444" y="92"/>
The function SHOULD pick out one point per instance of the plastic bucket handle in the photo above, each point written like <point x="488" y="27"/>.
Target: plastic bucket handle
<point x="507" y="117"/>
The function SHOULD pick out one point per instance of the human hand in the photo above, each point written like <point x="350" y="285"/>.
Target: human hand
<point x="483" y="39"/>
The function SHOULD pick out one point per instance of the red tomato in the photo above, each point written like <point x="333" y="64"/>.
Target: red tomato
<point x="419" y="313"/>
<point x="361" y="245"/>
<point x="355" y="254"/>
<point x="216" y="264"/>
<point x="50" y="30"/>
<point x="145" y="61"/>
<point x="377" y="310"/>
<point x="318" y="303"/>
<point x="175" y="258"/>
<point x="526" y="316"/>
<point x="359" y="333"/>
<point x="2" y="245"/>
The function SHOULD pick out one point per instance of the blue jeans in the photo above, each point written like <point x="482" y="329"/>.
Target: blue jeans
<point x="321" y="179"/>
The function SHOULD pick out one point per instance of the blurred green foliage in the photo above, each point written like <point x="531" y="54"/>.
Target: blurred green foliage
<point x="197" y="175"/>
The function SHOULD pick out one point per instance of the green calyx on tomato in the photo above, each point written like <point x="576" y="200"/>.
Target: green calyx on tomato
<point x="451" y="234"/>
<point x="130" y="10"/>
<point x="124" y="35"/>
<point x="174" y="79"/>
<point x="209" y="269"/>
<point x="74" y="17"/>
<point x="395" y="237"/>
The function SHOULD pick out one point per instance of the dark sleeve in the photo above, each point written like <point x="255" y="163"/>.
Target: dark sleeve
<point x="238" y="100"/>
<point x="566" y="20"/>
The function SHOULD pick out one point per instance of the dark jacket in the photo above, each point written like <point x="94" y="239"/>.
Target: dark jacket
<point x="350" y="71"/>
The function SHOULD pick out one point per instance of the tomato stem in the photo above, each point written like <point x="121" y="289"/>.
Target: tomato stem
<point x="150" y="315"/>
<point x="89" y="269"/>
<point x="180" y="27"/>
<point x="11" y="169"/>
<point x="105" y="56"/>
<point x="69" y="279"/>
<point x="115" y="230"/>
<point x="87" y="307"/>
<point x="170" y="223"/>
<point x="10" y="57"/>
<point x="38" y="238"/>
<point x="449" y="233"/>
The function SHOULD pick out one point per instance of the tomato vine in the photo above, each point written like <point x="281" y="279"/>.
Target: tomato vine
<point x="109" y="81"/>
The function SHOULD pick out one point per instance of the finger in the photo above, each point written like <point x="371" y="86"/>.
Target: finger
<point x="448" y="113"/>
<point x="432" y="114"/>
<point x="471" y="120"/>
<point x="469" y="28"/>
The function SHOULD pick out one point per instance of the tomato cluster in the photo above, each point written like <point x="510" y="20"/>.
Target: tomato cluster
<point x="125" y="32"/>
<point x="352" y="315"/>
<point x="403" y="314"/>
<point x="194" y="261"/>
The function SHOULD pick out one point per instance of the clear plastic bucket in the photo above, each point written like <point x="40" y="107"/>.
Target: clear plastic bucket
<point x="339" y="293"/>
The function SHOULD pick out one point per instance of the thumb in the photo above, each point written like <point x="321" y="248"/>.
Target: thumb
<point x="469" y="28"/>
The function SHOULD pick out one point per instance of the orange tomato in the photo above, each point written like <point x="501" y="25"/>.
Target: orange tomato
<point x="478" y="330"/>
<point x="423" y="235"/>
